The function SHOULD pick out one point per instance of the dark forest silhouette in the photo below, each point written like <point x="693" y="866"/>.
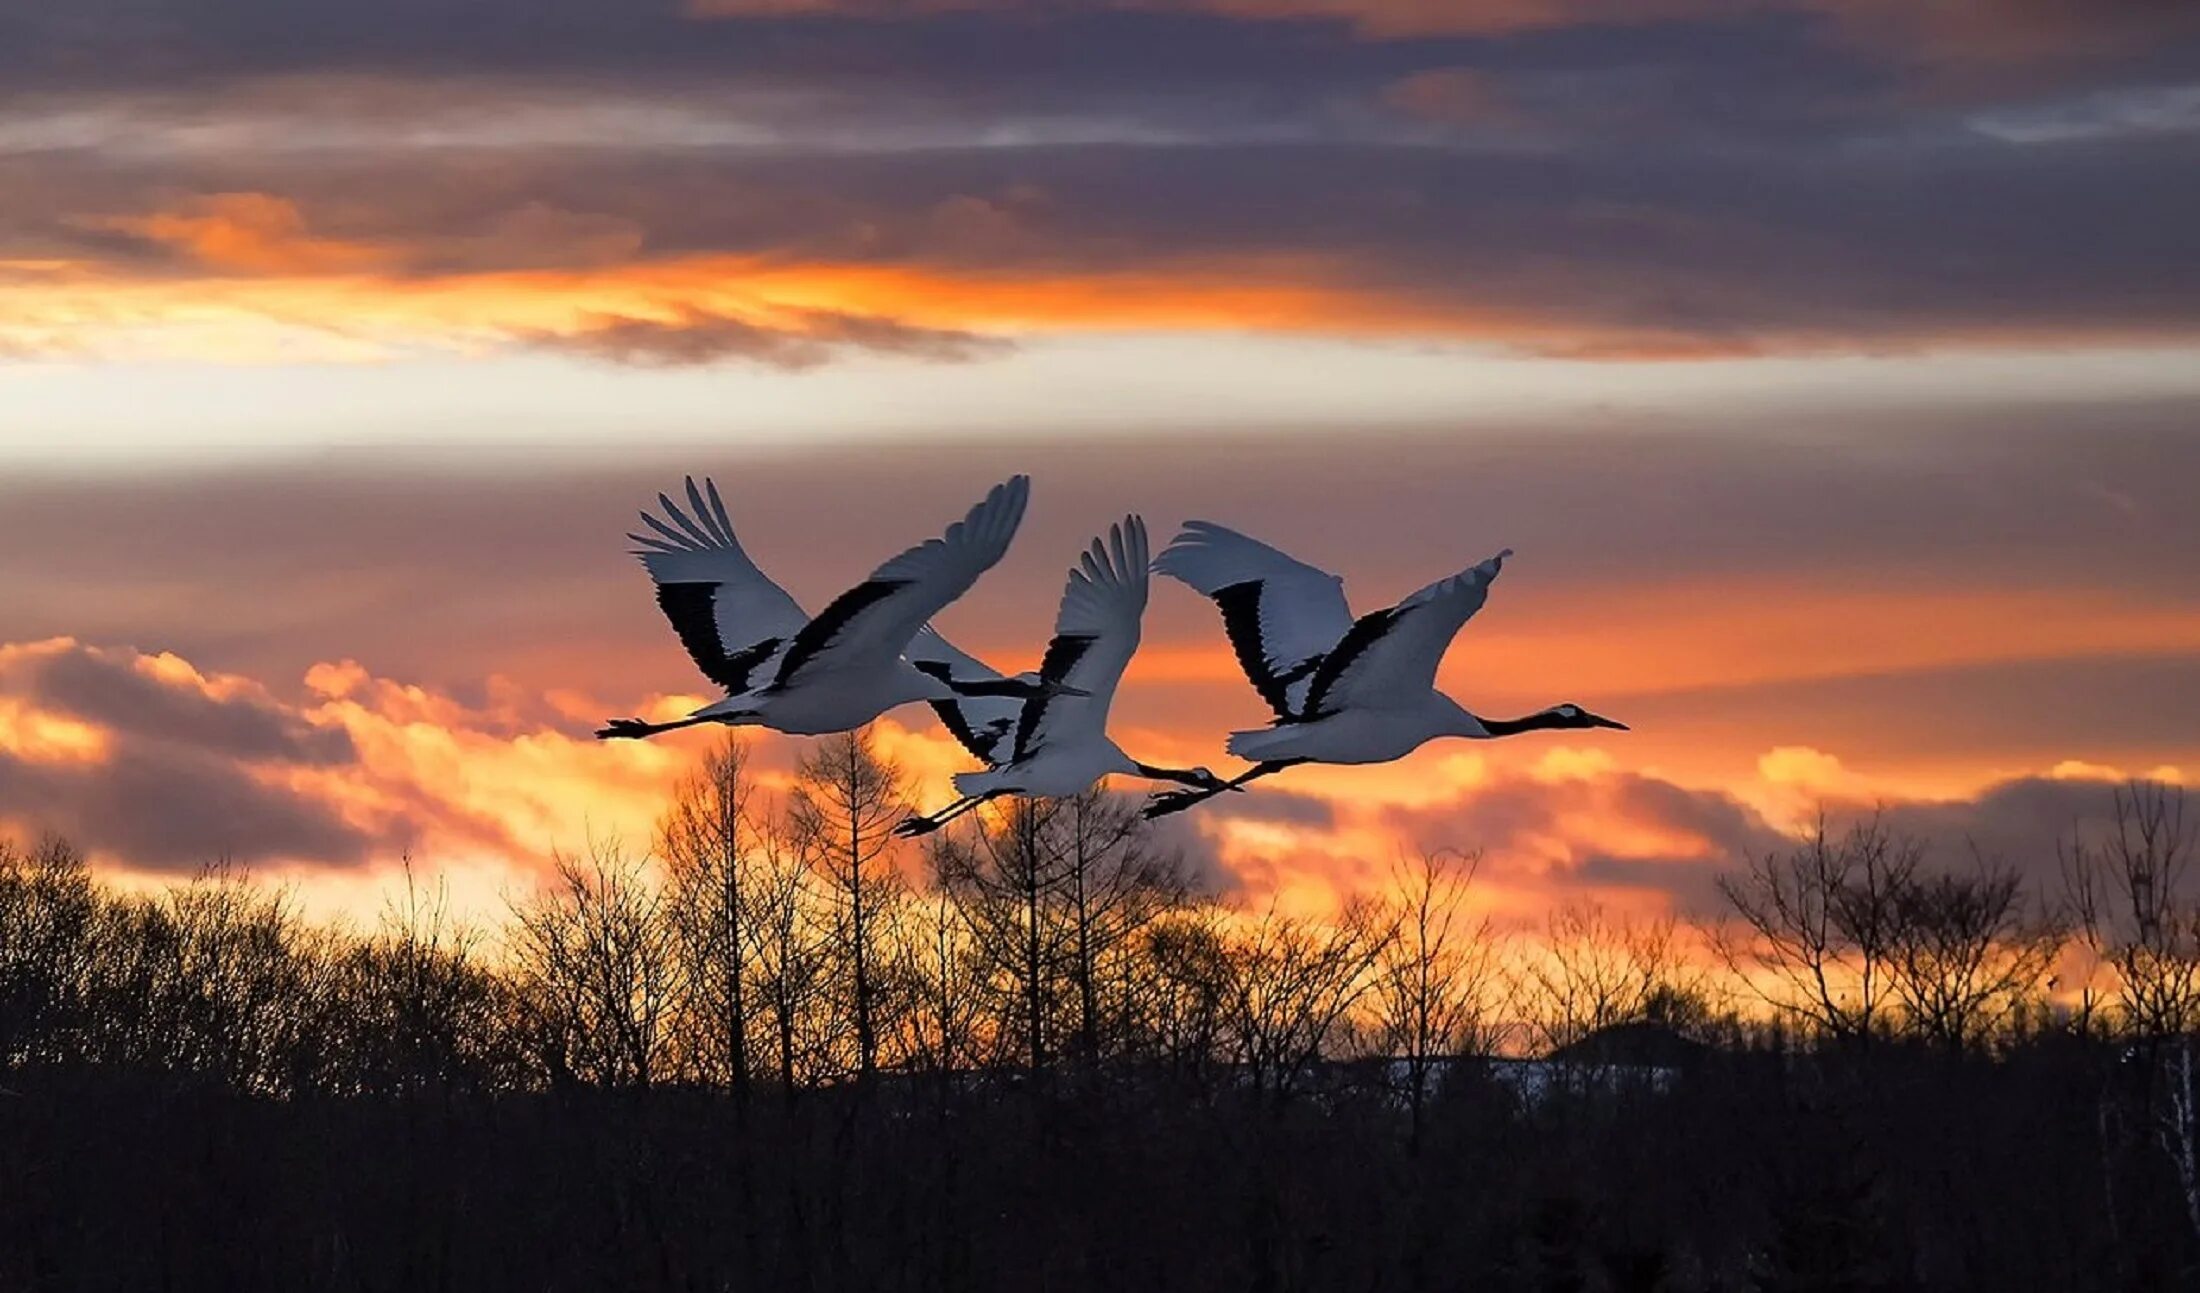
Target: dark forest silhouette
<point x="777" y="1049"/>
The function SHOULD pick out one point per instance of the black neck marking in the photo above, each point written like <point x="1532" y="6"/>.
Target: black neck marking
<point x="1182" y="776"/>
<point x="1541" y="722"/>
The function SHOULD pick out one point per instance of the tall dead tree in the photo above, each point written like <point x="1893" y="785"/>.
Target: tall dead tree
<point x="1597" y="969"/>
<point x="1818" y="924"/>
<point x="846" y="802"/>
<point x="1007" y="877"/>
<point x="2133" y="908"/>
<point x="1435" y="982"/>
<point x="1966" y="953"/>
<point x="598" y="968"/>
<point x="704" y="838"/>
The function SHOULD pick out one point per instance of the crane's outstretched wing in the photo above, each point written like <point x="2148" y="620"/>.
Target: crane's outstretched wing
<point x="871" y="624"/>
<point x="731" y="619"/>
<point x="1281" y="615"/>
<point x="1095" y="634"/>
<point x="985" y="725"/>
<point x="1389" y="657"/>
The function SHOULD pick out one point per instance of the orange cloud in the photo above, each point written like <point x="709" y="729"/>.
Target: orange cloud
<point x="485" y="789"/>
<point x="258" y="283"/>
<point x="350" y="315"/>
<point x="251" y="233"/>
<point x="1689" y="634"/>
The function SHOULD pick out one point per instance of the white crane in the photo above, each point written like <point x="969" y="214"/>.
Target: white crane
<point x="1344" y="690"/>
<point x="809" y="675"/>
<point x="1055" y="744"/>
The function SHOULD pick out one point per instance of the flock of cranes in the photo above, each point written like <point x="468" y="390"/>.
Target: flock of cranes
<point x="1344" y="690"/>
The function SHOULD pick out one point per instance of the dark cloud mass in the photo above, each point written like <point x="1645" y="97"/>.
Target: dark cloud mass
<point x="691" y="338"/>
<point x="176" y="809"/>
<point x="1705" y="833"/>
<point x="184" y="776"/>
<point x="1578" y="179"/>
<point x="107" y="688"/>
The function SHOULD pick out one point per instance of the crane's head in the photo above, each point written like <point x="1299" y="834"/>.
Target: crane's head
<point x="1208" y="781"/>
<point x="1572" y="715"/>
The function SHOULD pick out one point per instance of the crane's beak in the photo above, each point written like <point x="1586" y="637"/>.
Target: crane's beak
<point x="1613" y="723"/>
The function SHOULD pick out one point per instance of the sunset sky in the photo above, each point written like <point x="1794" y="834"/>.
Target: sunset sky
<point x="1833" y="367"/>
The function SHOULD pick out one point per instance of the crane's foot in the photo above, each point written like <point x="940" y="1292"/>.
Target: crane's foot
<point x="1176" y="801"/>
<point x="912" y="827"/>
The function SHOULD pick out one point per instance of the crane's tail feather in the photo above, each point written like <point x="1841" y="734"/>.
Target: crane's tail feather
<point x="1258" y="745"/>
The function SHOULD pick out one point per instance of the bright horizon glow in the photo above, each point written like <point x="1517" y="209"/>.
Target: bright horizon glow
<point x="129" y="417"/>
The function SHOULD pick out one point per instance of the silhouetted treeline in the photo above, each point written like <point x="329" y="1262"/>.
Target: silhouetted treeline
<point x="778" y="1049"/>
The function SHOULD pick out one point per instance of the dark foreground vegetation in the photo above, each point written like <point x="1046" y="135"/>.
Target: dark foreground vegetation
<point x="776" y="1055"/>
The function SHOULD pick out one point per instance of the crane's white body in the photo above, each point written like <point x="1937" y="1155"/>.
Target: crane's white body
<point x="1343" y="690"/>
<point x="797" y="673"/>
<point x="1052" y="772"/>
<point x="1365" y="735"/>
<point x="828" y="700"/>
<point x="1056" y="745"/>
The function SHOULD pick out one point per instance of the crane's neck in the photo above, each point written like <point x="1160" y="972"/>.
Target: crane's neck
<point x="1542" y="720"/>
<point x="1182" y="776"/>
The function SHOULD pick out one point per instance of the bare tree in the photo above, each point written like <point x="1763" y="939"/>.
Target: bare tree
<point x="1964" y="954"/>
<point x="704" y="838"/>
<point x="421" y="1007"/>
<point x="943" y="967"/>
<point x="2132" y="911"/>
<point x="846" y="802"/>
<point x="789" y="924"/>
<point x="597" y="965"/>
<point x="241" y="981"/>
<point x="49" y="914"/>
<point x="1434" y="981"/>
<point x="1117" y="884"/>
<point x="1006" y="876"/>
<point x="1596" y="970"/>
<point x="1819" y="921"/>
<point x="1293" y="982"/>
<point x="1055" y="893"/>
<point x="1182" y="989"/>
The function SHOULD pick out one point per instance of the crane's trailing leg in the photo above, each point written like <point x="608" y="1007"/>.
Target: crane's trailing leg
<point x="634" y="728"/>
<point x="1176" y="801"/>
<point x="913" y="827"/>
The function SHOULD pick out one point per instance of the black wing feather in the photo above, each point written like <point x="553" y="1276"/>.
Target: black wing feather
<point x="980" y="744"/>
<point x="1240" y="606"/>
<point x="1062" y="655"/>
<point x="693" y="613"/>
<point x="1365" y="632"/>
<point x="954" y="719"/>
<point x="819" y="633"/>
